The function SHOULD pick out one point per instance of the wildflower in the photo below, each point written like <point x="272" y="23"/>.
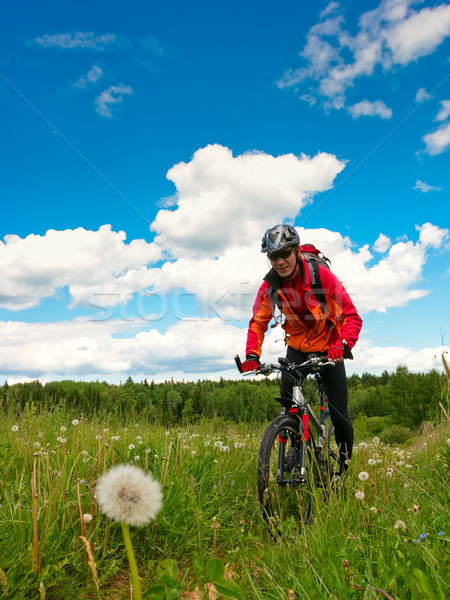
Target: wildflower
<point x="75" y="422"/>
<point x="63" y="428"/>
<point x="441" y="533"/>
<point x="373" y="509"/>
<point x="127" y="494"/>
<point x="363" y="476"/>
<point x="87" y="518"/>
<point x="131" y="447"/>
<point x="399" y="524"/>
<point x="359" y="495"/>
<point x="15" y="428"/>
<point x="372" y="462"/>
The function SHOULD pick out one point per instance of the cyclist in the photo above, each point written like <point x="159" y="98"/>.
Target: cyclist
<point x="310" y="326"/>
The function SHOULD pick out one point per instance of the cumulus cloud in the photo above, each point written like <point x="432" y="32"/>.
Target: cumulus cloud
<point x="110" y="97"/>
<point x="92" y="76"/>
<point x="89" y="349"/>
<point x="382" y="244"/>
<point x="189" y="349"/>
<point x="365" y="108"/>
<point x="437" y="141"/>
<point x="425" y="188"/>
<point x="225" y="201"/>
<point x="87" y="262"/>
<point x="422" y="95"/>
<point x="391" y="35"/>
<point x="78" y="39"/>
<point x="444" y="112"/>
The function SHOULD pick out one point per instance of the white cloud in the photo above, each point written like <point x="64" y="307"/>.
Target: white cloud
<point x="190" y="349"/>
<point x="419" y="33"/>
<point x="89" y="349"/>
<point x="444" y="112"/>
<point x="92" y="76"/>
<point x="331" y="8"/>
<point x="437" y="141"/>
<point x="422" y="94"/>
<point x="78" y="39"/>
<point x="425" y="188"/>
<point x="382" y="243"/>
<point x="113" y="95"/>
<point x="226" y="201"/>
<point x="365" y="108"/>
<point x="390" y="35"/>
<point x="88" y="262"/>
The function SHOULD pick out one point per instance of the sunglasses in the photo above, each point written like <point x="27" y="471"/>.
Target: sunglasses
<point x="273" y="256"/>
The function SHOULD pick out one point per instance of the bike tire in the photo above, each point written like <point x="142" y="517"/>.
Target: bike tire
<point x="282" y="495"/>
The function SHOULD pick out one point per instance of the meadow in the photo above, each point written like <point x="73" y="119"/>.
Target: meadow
<point x="387" y="536"/>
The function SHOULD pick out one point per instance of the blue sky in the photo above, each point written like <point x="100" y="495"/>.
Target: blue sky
<point x="147" y="146"/>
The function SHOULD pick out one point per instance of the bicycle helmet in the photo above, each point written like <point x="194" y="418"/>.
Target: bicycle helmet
<point x="279" y="237"/>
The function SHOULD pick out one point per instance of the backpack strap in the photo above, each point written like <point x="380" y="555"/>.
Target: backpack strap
<point x="316" y="284"/>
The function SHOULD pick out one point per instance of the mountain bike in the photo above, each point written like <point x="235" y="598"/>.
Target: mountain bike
<point x="297" y="464"/>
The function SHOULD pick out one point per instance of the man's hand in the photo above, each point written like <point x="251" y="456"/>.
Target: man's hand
<point x="251" y="363"/>
<point x="336" y="354"/>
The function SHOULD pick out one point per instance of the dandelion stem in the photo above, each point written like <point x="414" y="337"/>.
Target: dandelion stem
<point x="132" y="562"/>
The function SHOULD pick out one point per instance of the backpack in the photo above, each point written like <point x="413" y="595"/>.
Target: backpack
<point x="313" y="258"/>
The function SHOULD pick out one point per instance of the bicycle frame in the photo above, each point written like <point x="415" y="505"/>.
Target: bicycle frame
<point x="302" y="409"/>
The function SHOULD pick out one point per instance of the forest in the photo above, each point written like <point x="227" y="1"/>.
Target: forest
<point x="391" y="404"/>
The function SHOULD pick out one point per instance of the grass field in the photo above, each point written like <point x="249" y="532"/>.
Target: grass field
<point x="387" y="537"/>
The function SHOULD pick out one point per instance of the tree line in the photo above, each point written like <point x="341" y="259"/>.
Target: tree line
<point x="376" y="403"/>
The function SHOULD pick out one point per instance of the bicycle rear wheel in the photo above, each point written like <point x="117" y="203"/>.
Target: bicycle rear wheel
<point x="283" y="491"/>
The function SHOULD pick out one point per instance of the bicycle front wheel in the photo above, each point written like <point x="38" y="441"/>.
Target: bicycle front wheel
<point x="284" y="491"/>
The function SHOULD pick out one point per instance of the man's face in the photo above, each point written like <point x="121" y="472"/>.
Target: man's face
<point x="284" y="261"/>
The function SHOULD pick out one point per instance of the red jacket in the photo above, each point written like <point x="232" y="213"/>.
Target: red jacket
<point x="309" y="326"/>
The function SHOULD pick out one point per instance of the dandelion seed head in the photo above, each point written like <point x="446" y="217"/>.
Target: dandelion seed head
<point x="87" y="518"/>
<point x="363" y="476"/>
<point x="218" y="444"/>
<point x="373" y="509"/>
<point x="224" y="448"/>
<point x="15" y="428"/>
<point x="372" y="462"/>
<point x="376" y="440"/>
<point x="63" y="428"/>
<point x="75" y="422"/>
<point x="399" y="524"/>
<point x="131" y="447"/>
<point x="359" y="495"/>
<point x="128" y="495"/>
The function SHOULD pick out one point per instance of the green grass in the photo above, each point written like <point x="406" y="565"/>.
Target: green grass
<point x="211" y="510"/>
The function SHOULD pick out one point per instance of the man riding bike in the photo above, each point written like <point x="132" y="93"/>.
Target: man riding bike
<point x="311" y="325"/>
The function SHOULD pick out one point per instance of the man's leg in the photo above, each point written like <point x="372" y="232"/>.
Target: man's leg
<point x="335" y="383"/>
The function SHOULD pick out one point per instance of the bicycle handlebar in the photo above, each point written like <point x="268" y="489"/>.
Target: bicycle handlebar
<point x="284" y="365"/>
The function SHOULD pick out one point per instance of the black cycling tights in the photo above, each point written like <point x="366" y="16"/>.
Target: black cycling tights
<point x="335" y="383"/>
